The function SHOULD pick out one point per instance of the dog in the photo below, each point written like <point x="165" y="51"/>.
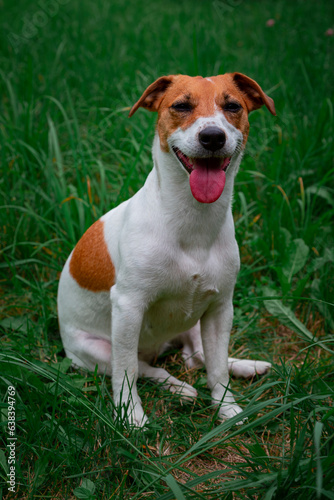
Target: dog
<point x="161" y="267"/>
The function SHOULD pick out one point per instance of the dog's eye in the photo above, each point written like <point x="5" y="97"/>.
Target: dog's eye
<point x="233" y="107"/>
<point x="182" y="106"/>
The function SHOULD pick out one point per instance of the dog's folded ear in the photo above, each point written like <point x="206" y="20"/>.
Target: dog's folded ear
<point x="253" y="94"/>
<point x="153" y="95"/>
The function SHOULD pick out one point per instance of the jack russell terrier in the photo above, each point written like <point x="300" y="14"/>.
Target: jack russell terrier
<point x="162" y="266"/>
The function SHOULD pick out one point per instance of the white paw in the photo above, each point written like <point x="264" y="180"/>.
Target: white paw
<point x="186" y="391"/>
<point x="229" y="410"/>
<point x="248" y="368"/>
<point x="262" y="367"/>
<point x="137" y="417"/>
<point x="132" y="414"/>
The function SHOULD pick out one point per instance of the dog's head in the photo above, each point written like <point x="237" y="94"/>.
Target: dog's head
<point x="203" y="122"/>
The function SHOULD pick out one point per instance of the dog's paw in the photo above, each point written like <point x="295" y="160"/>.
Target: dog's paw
<point x="135" y="416"/>
<point x="262" y="367"/>
<point x="138" y="421"/>
<point x="131" y="415"/>
<point x="248" y="368"/>
<point x="186" y="391"/>
<point x="229" y="410"/>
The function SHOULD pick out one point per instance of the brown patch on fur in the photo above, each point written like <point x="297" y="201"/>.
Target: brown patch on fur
<point x="91" y="265"/>
<point x="206" y="96"/>
<point x="153" y="95"/>
<point x="253" y="94"/>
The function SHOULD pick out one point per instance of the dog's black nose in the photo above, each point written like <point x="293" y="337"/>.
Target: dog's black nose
<point x="212" y="138"/>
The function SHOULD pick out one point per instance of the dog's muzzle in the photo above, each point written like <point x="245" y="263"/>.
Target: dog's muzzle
<point x="207" y="175"/>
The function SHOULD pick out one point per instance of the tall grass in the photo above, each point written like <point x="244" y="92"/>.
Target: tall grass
<point x="69" y="153"/>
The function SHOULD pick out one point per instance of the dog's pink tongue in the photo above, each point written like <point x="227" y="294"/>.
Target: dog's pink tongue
<point x="207" y="180"/>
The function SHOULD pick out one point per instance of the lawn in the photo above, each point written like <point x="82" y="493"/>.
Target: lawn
<point x="69" y="73"/>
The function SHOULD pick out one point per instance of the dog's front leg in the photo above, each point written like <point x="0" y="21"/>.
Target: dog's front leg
<point x="216" y="326"/>
<point x="126" y="321"/>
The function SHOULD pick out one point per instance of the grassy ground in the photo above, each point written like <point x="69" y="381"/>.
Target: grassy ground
<point x="69" y="153"/>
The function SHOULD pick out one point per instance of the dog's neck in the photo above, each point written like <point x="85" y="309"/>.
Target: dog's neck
<point x="189" y="218"/>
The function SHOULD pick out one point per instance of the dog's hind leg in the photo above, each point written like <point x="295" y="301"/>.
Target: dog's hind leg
<point x="161" y="375"/>
<point x="192" y="347"/>
<point x="247" y="368"/>
<point x="87" y="351"/>
<point x="192" y="353"/>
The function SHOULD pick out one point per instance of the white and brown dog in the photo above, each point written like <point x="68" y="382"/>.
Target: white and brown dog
<point x="162" y="266"/>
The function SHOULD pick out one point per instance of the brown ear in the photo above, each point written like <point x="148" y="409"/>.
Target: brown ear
<point x="253" y="94"/>
<point x="153" y="95"/>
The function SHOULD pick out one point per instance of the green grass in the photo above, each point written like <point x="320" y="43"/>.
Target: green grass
<point x="69" y="153"/>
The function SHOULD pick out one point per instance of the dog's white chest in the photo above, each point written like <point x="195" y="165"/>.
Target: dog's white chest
<point x="178" y="309"/>
<point x="193" y="297"/>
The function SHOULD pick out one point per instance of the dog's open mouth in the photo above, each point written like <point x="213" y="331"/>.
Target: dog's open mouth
<point x="207" y="175"/>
